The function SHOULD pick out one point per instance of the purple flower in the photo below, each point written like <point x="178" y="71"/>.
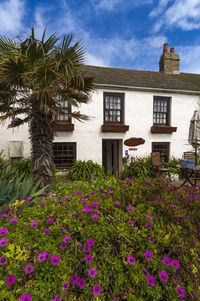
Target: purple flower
<point x="86" y="248"/>
<point x="46" y="255"/>
<point x="43" y="256"/>
<point x="74" y="279"/>
<point x="81" y="282"/>
<point x="149" y="217"/>
<point x="3" y="260"/>
<point x="151" y="280"/>
<point x="148" y="255"/>
<point x="96" y="289"/>
<point x="125" y="185"/>
<point x="129" y="208"/>
<point x="3" y="231"/>
<point x="25" y="297"/>
<point x="4" y="215"/>
<point x="73" y="212"/>
<point x="66" y="239"/>
<point x="10" y="280"/>
<point x="92" y="272"/>
<point x="131" y="222"/>
<point x="50" y="221"/>
<point x="42" y="203"/>
<point x="148" y="225"/>
<point x="131" y="259"/>
<point x="62" y="229"/>
<point x="166" y="261"/>
<point x="93" y="192"/>
<point x="57" y="298"/>
<point x="88" y="258"/>
<point x="90" y="242"/>
<point x="46" y="230"/>
<point x="78" y="191"/>
<point x="13" y="219"/>
<point x="55" y="260"/>
<point x="175" y="264"/>
<point x="117" y="203"/>
<point x="3" y="242"/>
<point x="63" y="245"/>
<point x="180" y="291"/>
<point x="151" y="239"/>
<point x="163" y="276"/>
<point x="65" y="285"/>
<point x="34" y="224"/>
<point x="95" y="216"/>
<point x="29" y="269"/>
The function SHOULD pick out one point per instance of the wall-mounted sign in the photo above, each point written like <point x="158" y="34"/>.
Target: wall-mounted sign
<point x="133" y="141"/>
<point x="126" y="152"/>
<point x="132" y="149"/>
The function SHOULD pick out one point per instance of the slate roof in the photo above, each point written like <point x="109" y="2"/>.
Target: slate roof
<point x="146" y="79"/>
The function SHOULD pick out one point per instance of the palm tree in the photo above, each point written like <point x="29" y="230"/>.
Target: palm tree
<point x="35" y="75"/>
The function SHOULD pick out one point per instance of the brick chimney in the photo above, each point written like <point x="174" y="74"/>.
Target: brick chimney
<point x="169" y="62"/>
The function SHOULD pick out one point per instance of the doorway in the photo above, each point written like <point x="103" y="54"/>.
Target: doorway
<point x="112" y="155"/>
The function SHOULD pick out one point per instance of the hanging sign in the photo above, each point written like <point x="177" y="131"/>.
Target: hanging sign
<point x="133" y="141"/>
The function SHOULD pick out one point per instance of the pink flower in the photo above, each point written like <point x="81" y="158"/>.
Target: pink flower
<point x="96" y="289"/>
<point x="131" y="259"/>
<point x="151" y="280"/>
<point x="129" y="208"/>
<point x="3" y="231"/>
<point x="148" y="225"/>
<point x="34" y="224"/>
<point x="13" y="220"/>
<point x="25" y="297"/>
<point x="88" y="258"/>
<point x="175" y="264"/>
<point x="149" y="217"/>
<point x="95" y="216"/>
<point x="55" y="260"/>
<point x="148" y="255"/>
<point x="65" y="285"/>
<point x="66" y="239"/>
<point x="90" y="242"/>
<point x="81" y="282"/>
<point x="163" y="276"/>
<point x="166" y="261"/>
<point x="74" y="279"/>
<point x="92" y="272"/>
<point x="10" y="280"/>
<point x="46" y="230"/>
<point x="180" y="291"/>
<point x="50" y="221"/>
<point x="117" y="203"/>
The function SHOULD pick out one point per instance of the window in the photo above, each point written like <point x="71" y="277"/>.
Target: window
<point x="64" y="154"/>
<point x="113" y="108"/>
<point x="63" y="109"/>
<point x="161" y="109"/>
<point x="163" y="149"/>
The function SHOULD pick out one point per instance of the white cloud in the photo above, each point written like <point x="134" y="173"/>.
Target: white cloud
<point x="184" y="14"/>
<point x="189" y="58"/>
<point x="159" y="9"/>
<point x="110" y="5"/>
<point x="11" y="16"/>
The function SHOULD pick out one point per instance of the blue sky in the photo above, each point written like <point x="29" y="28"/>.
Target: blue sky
<point x="116" y="33"/>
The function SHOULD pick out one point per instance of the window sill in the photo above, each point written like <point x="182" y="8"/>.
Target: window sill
<point x="162" y="129"/>
<point x="64" y="126"/>
<point x="117" y="128"/>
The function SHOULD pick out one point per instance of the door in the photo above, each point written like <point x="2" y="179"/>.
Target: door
<point x="112" y="155"/>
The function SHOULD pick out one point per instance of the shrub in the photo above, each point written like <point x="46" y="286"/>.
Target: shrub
<point x="135" y="167"/>
<point x="85" y="170"/>
<point x="133" y="241"/>
<point x="23" y="167"/>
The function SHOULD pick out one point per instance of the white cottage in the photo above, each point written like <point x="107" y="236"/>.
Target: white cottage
<point x="155" y="106"/>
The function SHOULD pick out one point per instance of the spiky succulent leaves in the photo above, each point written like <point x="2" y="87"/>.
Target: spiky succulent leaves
<point x="34" y="76"/>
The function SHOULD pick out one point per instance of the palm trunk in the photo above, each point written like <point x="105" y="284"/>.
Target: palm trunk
<point x="41" y="136"/>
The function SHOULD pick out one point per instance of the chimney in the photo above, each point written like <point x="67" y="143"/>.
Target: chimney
<point x="169" y="62"/>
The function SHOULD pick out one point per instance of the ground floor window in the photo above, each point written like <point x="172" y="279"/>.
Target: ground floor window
<point x="64" y="154"/>
<point x="163" y="149"/>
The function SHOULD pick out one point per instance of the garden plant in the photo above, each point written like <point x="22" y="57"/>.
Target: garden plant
<point x="133" y="240"/>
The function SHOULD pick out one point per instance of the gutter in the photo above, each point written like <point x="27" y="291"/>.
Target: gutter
<point x="145" y="89"/>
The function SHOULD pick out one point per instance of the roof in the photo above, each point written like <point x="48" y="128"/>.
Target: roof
<point x="144" y="79"/>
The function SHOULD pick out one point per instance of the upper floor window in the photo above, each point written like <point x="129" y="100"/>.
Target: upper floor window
<point x="161" y="110"/>
<point x="114" y="108"/>
<point x="64" y="108"/>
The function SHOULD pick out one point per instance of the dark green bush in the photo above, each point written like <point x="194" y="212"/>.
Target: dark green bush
<point x="85" y="170"/>
<point x="136" y="167"/>
<point x="23" y="167"/>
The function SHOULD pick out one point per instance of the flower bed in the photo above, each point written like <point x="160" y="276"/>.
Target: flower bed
<point x="132" y="241"/>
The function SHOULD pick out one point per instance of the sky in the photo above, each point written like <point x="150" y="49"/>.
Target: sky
<point x="115" y="33"/>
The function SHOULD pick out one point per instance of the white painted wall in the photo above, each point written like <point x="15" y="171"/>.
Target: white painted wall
<point x="138" y="115"/>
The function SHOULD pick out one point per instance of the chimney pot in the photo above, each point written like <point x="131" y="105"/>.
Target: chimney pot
<point x="171" y="50"/>
<point x="165" y="48"/>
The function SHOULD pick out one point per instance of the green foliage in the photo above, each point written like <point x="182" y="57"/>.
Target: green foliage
<point x="85" y="170"/>
<point x="23" y="167"/>
<point x="18" y="188"/>
<point x="148" y="216"/>
<point x="135" y="167"/>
